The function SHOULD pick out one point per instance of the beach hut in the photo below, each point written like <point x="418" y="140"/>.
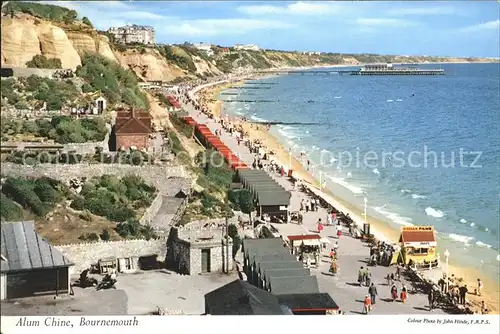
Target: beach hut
<point x="418" y="245"/>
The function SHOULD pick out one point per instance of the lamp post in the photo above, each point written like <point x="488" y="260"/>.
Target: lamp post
<point x="365" y="200"/>
<point x="447" y="256"/>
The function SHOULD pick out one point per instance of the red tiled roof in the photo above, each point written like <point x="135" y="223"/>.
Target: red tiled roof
<point x="417" y="236"/>
<point x="138" y="122"/>
<point x="303" y="237"/>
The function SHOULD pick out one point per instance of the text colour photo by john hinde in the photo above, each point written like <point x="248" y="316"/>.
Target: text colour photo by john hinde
<point x="164" y="160"/>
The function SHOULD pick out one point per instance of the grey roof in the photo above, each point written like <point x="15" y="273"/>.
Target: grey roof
<point x="293" y="285"/>
<point x="288" y="272"/>
<point x="259" y="254"/>
<point x="311" y="301"/>
<point x="257" y="245"/>
<point x="242" y="298"/>
<point x="271" y="198"/>
<point x="278" y="264"/>
<point x="25" y="249"/>
<point x="259" y="260"/>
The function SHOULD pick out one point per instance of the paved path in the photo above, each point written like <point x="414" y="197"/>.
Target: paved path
<point x="352" y="252"/>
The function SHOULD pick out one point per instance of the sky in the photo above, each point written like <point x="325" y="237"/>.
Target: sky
<point x="448" y="28"/>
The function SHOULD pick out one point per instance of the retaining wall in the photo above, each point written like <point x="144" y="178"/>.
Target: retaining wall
<point x="85" y="254"/>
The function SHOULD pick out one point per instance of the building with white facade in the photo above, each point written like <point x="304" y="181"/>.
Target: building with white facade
<point x="207" y="48"/>
<point x="134" y="34"/>
<point x="250" y="47"/>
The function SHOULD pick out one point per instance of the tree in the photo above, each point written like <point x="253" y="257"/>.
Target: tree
<point x="246" y="202"/>
<point x="105" y="235"/>
<point x="86" y="21"/>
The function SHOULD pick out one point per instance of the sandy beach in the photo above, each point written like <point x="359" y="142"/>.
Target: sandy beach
<point x="381" y="229"/>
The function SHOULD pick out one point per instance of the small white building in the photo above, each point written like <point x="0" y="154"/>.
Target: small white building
<point x="248" y="47"/>
<point x="207" y="48"/>
<point x="100" y="105"/>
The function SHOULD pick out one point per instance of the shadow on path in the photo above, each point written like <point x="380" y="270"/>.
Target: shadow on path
<point x="355" y="312"/>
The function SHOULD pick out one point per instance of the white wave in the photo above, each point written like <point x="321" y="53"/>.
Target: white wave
<point x="482" y="244"/>
<point x="398" y="219"/>
<point x="498" y="257"/>
<point x="239" y="109"/>
<point x="389" y="100"/>
<point x="238" y="112"/>
<point x="417" y="196"/>
<point x="461" y="238"/>
<point x="332" y="160"/>
<point x="349" y="174"/>
<point x="472" y="224"/>
<point x="405" y="191"/>
<point x="463" y="221"/>
<point x="325" y="151"/>
<point x="430" y="211"/>
<point x="307" y="131"/>
<point x="337" y="97"/>
<point x="343" y="183"/>
<point x="486" y="229"/>
<point x="399" y="100"/>
<point x="258" y="119"/>
<point x="376" y="171"/>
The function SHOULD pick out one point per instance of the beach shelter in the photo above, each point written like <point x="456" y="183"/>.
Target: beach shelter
<point x="418" y="244"/>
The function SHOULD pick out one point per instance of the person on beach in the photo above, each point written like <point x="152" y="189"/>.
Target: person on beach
<point x="334" y="267"/>
<point x="332" y="254"/>
<point x="329" y="220"/>
<point x="389" y="280"/>
<point x="320" y="226"/>
<point x="367" y="304"/>
<point x="312" y="204"/>
<point x="463" y="291"/>
<point x="336" y="246"/>
<point x="307" y="205"/>
<point x="302" y="205"/>
<point x="430" y="299"/>
<point x="394" y="292"/>
<point x="404" y="293"/>
<point x="479" y="286"/>
<point x="361" y="276"/>
<point x="372" y="290"/>
<point x="368" y="277"/>
<point x="339" y="231"/>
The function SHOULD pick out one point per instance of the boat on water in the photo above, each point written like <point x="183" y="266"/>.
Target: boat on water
<point x="390" y="69"/>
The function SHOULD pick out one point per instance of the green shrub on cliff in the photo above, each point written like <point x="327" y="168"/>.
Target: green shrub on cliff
<point x="116" y="83"/>
<point x="37" y="195"/>
<point x="39" y="61"/>
<point x="49" y="12"/>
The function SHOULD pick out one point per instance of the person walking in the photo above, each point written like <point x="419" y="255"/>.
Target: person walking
<point x="372" y="290"/>
<point x="404" y="293"/>
<point x="479" y="286"/>
<point x="361" y="276"/>
<point x="394" y="292"/>
<point x="368" y="277"/>
<point x="320" y="226"/>
<point x="463" y="291"/>
<point x="430" y="299"/>
<point x="367" y="305"/>
<point x="339" y="231"/>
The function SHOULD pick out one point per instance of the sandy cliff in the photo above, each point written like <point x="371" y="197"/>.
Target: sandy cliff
<point x="24" y="37"/>
<point x="149" y="65"/>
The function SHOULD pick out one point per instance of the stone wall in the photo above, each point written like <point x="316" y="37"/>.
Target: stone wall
<point x="85" y="254"/>
<point x="153" y="175"/>
<point x="151" y="212"/>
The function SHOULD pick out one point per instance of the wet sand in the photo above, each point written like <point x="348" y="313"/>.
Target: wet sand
<point x="381" y="229"/>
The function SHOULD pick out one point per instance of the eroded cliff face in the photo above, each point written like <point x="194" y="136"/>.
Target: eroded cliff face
<point x="24" y="37"/>
<point x="149" y="65"/>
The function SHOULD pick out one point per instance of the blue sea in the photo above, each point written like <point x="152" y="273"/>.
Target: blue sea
<point x="423" y="150"/>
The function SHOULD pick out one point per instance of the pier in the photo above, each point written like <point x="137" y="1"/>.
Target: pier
<point x="371" y="69"/>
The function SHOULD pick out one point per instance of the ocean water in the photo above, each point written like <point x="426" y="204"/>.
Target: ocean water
<point x="423" y="150"/>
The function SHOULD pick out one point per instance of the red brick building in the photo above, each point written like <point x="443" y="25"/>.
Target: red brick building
<point x="132" y="129"/>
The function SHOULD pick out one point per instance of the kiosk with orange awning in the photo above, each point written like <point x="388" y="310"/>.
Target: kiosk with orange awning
<point x="418" y="246"/>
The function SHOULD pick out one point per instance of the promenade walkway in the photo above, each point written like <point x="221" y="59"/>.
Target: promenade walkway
<point x="353" y="253"/>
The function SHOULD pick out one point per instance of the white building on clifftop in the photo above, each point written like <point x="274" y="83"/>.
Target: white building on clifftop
<point x="249" y="47"/>
<point x="134" y="34"/>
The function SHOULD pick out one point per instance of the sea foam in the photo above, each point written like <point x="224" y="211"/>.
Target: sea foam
<point x="417" y="196"/>
<point x="394" y="217"/>
<point x="461" y="238"/>
<point x="430" y="211"/>
<point x="343" y="183"/>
